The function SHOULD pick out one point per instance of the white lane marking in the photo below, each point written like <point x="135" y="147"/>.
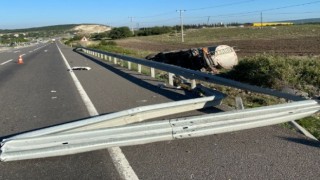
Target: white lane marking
<point x="22" y="54"/>
<point x="119" y="160"/>
<point x="6" y="62"/>
<point x="122" y="164"/>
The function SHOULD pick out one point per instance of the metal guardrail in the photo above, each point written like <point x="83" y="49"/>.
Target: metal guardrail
<point x="190" y="74"/>
<point x="129" y="116"/>
<point x="24" y="147"/>
<point x="198" y="75"/>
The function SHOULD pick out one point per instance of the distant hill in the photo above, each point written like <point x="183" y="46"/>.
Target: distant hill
<point x="304" y="21"/>
<point x="81" y="28"/>
<point x="44" y="28"/>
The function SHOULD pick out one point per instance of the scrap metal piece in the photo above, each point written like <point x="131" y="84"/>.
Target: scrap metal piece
<point x="80" y="68"/>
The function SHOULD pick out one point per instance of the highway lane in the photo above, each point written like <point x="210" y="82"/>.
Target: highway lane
<point x="41" y="93"/>
<point x="13" y="54"/>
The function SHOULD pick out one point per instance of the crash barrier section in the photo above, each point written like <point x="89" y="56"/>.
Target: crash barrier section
<point x="129" y="116"/>
<point x="186" y="73"/>
<point x="193" y="76"/>
<point x="41" y="145"/>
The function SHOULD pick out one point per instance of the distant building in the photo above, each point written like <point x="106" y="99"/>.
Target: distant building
<point x="84" y="39"/>
<point x="272" y="24"/>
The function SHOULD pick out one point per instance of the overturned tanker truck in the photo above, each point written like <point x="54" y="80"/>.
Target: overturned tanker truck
<point x="203" y="59"/>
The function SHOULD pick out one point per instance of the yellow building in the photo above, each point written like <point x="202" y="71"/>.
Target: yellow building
<point x="272" y="24"/>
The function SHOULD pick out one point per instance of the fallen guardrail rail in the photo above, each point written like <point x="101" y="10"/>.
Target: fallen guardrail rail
<point x="41" y="145"/>
<point x="129" y="116"/>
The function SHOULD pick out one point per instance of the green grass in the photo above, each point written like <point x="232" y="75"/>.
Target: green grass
<point x="312" y="124"/>
<point x="120" y="50"/>
<point x="277" y="72"/>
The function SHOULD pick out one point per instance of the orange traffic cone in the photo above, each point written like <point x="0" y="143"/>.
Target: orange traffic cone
<point x="20" y="61"/>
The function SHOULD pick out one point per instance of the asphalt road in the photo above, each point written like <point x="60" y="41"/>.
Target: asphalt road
<point x="41" y="93"/>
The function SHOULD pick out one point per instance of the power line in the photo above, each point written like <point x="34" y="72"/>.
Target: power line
<point x="222" y="5"/>
<point x="230" y="14"/>
<point x="196" y="9"/>
<point x="156" y="15"/>
<point x="272" y="9"/>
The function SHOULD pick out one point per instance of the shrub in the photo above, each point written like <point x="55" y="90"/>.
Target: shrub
<point x="154" y="31"/>
<point x="121" y="32"/>
<point x="108" y="43"/>
<point x="277" y="72"/>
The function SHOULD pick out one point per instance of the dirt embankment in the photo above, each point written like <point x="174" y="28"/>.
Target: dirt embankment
<point x="89" y="29"/>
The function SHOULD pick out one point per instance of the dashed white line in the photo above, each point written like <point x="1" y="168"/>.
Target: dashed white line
<point x="119" y="160"/>
<point x="6" y="62"/>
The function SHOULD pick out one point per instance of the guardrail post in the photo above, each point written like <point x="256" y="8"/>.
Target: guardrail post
<point x="139" y="68"/>
<point x="153" y="72"/>
<point x="193" y="84"/>
<point x="129" y="65"/>
<point x="171" y="78"/>
<point x="115" y="60"/>
<point x="239" y="103"/>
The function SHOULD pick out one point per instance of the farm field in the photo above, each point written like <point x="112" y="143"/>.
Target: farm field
<point x="298" y="40"/>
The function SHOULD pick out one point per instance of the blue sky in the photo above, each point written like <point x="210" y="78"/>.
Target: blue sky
<point x="35" y="13"/>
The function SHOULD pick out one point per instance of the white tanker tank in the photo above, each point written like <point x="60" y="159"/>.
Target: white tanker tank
<point x="206" y="58"/>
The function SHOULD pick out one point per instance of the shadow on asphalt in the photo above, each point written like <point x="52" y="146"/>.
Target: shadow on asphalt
<point x="140" y="82"/>
<point x="307" y="142"/>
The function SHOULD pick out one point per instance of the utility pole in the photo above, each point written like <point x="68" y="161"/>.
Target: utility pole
<point x="181" y="22"/>
<point x="131" y="20"/>
<point x="261" y="20"/>
<point x="208" y="20"/>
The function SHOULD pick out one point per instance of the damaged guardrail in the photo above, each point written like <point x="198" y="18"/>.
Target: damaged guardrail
<point x="129" y="116"/>
<point x="58" y="144"/>
<point x="188" y="73"/>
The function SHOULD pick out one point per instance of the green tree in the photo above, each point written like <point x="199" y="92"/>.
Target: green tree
<point x="119" y="33"/>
